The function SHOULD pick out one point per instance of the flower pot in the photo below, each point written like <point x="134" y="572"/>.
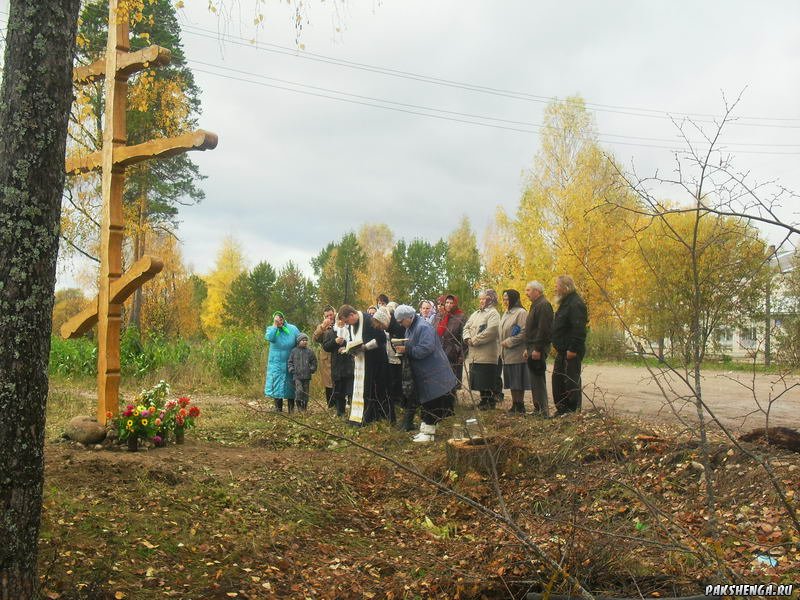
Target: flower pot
<point x="178" y="435"/>
<point x="133" y="443"/>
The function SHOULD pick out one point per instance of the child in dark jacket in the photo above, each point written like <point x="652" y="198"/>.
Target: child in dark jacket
<point x="302" y="364"/>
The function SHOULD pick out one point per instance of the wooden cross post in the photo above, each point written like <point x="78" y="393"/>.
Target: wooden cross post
<point x="115" y="287"/>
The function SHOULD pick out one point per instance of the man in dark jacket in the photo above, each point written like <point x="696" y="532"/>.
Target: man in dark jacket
<point x="342" y="366"/>
<point x="569" y="341"/>
<point x="538" y="328"/>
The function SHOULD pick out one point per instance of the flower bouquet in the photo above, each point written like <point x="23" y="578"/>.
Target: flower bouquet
<point x="137" y="422"/>
<point x="180" y="416"/>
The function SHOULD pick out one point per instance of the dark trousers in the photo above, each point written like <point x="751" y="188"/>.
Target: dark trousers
<point x="435" y="410"/>
<point x="279" y="404"/>
<point x="537" y="370"/>
<point x="342" y="389"/>
<point x="329" y="397"/>
<point x="301" y="393"/>
<point x="567" y="383"/>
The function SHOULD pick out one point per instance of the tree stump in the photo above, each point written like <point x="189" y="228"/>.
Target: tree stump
<point x="476" y="454"/>
<point x="783" y="437"/>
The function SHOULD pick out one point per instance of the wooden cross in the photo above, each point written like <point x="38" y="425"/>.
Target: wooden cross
<point x="115" y="287"/>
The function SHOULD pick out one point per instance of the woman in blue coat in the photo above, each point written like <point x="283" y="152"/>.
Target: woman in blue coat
<point x="433" y="376"/>
<point x="282" y="338"/>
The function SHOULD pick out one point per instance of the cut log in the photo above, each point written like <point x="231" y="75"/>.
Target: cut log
<point x="477" y="454"/>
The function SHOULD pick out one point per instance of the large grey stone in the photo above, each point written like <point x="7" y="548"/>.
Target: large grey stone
<point x="85" y="429"/>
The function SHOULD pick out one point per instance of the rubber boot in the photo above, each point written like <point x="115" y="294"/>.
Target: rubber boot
<point x="278" y="404"/>
<point x="427" y="433"/>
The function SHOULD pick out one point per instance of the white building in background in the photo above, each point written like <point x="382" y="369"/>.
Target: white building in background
<point x="743" y="342"/>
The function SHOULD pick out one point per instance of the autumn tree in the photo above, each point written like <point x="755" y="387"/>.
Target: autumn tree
<point x="725" y="255"/>
<point x="376" y="240"/>
<point x="35" y="97"/>
<point x="168" y="301"/>
<point x="249" y="298"/>
<point x="337" y="268"/>
<point x="419" y="270"/>
<point x="161" y="103"/>
<point x="570" y="218"/>
<point x="294" y="295"/>
<point x="229" y="265"/>
<point x="502" y="262"/>
<point x="463" y="264"/>
<point x="68" y="303"/>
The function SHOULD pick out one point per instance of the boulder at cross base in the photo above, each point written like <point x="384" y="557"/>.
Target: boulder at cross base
<point x="85" y="429"/>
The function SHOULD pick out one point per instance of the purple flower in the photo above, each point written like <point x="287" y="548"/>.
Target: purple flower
<point x="157" y="439"/>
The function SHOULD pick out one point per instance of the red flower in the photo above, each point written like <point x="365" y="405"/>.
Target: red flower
<point x="184" y="401"/>
<point x="179" y="420"/>
<point x="182" y="412"/>
<point x="194" y="411"/>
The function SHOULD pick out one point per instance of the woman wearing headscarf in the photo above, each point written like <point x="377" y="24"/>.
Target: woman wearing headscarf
<point x="427" y="310"/>
<point x="512" y="350"/>
<point x="481" y="335"/>
<point x="450" y="329"/>
<point x="342" y="366"/>
<point x="282" y="338"/>
<point x="433" y="378"/>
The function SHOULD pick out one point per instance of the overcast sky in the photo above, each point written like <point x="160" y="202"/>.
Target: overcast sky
<point x="292" y="171"/>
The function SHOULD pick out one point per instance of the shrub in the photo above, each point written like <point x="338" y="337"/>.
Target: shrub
<point x="73" y="358"/>
<point x="234" y="354"/>
<point x="605" y="342"/>
<point x="139" y="357"/>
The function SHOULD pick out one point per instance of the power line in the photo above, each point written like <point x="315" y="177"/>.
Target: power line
<point x="448" y="118"/>
<point x="625" y="110"/>
<point x="458" y="114"/>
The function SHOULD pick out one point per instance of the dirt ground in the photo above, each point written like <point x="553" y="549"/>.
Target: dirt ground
<point x="632" y="390"/>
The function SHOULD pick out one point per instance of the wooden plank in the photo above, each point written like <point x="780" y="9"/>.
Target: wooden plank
<point x="80" y="323"/>
<point x="127" y="64"/>
<point x="125" y="156"/>
<point x="163" y="148"/>
<point x="109" y="314"/>
<point x="142" y="271"/>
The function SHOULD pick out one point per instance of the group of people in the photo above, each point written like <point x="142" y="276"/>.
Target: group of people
<point x="393" y="355"/>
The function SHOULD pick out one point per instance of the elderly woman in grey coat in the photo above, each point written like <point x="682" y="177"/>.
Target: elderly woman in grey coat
<point x="433" y="376"/>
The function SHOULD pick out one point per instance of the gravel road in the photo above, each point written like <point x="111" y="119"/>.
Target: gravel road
<point x="632" y="390"/>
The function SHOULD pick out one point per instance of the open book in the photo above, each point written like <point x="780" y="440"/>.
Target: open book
<point x="353" y="345"/>
<point x="398" y="341"/>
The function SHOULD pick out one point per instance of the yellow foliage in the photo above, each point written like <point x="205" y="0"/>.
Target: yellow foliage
<point x="376" y="240"/>
<point x="571" y="217"/>
<point x="230" y="263"/>
<point x="167" y="300"/>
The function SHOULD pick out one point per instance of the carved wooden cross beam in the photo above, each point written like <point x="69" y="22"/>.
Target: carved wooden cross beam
<point x="115" y="287"/>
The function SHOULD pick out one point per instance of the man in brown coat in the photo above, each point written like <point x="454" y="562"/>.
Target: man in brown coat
<point x="328" y="319"/>
<point x="538" y="327"/>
